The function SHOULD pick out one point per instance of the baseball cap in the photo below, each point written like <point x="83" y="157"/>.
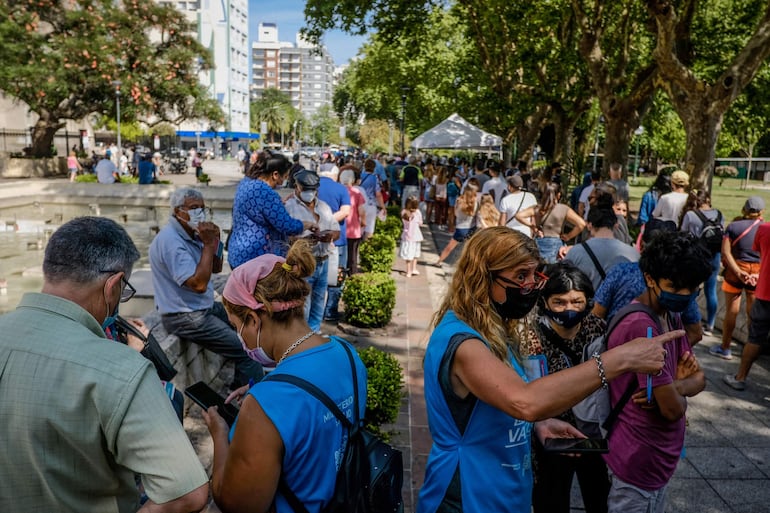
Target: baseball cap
<point x="754" y="203"/>
<point x="307" y="179"/>
<point x="680" y="178"/>
<point x="515" y="181"/>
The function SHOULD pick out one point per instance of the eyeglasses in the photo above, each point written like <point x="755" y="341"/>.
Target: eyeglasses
<point x="538" y="282"/>
<point x="128" y="290"/>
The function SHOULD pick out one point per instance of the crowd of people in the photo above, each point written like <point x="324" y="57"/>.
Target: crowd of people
<point x="537" y="283"/>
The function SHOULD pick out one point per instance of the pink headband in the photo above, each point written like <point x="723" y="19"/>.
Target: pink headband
<point x="242" y="282"/>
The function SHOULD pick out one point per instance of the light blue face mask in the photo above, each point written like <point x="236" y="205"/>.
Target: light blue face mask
<point x="110" y="320"/>
<point x="197" y="216"/>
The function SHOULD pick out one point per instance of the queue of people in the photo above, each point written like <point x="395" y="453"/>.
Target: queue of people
<point x="504" y="367"/>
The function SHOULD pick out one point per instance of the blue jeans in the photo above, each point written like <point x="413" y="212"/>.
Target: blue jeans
<point x="333" y="294"/>
<point x="211" y="329"/>
<point x="549" y="248"/>
<point x="314" y="305"/>
<point x="710" y="292"/>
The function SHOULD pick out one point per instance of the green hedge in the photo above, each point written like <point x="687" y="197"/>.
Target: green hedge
<point x="369" y="299"/>
<point x="377" y="253"/>
<point x="385" y="382"/>
<point x="391" y="226"/>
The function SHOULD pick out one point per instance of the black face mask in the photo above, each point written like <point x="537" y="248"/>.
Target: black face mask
<point x="516" y="304"/>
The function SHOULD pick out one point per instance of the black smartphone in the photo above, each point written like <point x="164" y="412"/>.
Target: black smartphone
<point x="205" y="397"/>
<point x="576" y="445"/>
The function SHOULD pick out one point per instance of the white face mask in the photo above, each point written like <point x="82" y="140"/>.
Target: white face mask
<point x="307" y="196"/>
<point x="197" y="216"/>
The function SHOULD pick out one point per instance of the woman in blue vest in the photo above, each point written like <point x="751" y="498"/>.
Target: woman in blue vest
<point x="481" y="405"/>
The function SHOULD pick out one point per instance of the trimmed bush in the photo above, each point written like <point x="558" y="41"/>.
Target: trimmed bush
<point x="377" y="253"/>
<point x="369" y="299"/>
<point x="86" y="178"/>
<point x="393" y="210"/>
<point x="385" y="382"/>
<point x="391" y="226"/>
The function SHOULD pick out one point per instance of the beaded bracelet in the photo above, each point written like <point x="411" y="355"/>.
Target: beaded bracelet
<point x="600" y="366"/>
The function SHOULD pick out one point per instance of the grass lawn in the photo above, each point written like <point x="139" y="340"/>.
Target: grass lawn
<point x="728" y="198"/>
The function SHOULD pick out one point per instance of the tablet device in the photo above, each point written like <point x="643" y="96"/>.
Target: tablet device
<point x="576" y="445"/>
<point x="205" y="397"/>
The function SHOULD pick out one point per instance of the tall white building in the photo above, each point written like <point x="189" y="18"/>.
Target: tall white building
<point x="223" y="28"/>
<point x="298" y="69"/>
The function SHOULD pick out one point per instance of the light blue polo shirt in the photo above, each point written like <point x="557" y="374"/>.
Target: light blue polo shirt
<point x="174" y="256"/>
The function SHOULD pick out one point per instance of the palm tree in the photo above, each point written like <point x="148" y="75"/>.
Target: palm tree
<point x="275" y="109"/>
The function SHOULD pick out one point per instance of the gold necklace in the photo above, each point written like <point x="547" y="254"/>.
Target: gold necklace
<point x="295" y="344"/>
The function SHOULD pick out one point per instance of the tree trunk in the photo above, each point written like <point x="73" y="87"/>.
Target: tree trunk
<point x="702" y="126"/>
<point x="43" y="133"/>
<point x="617" y="140"/>
<point x="528" y="131"/>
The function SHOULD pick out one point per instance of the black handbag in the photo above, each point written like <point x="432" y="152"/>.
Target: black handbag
<point x="152" y="350"/>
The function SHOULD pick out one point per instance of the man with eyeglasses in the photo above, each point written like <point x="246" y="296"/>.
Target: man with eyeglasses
<point x="183" y="257"/>
<point x="82" y="416"/>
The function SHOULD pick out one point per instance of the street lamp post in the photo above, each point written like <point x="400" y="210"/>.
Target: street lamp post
<point x="638" y="132"/>
<point x="404" y="90"/>
<point x="117" y="84"/>
<point x="596" y="141"/>
<point x="390" y="137"/>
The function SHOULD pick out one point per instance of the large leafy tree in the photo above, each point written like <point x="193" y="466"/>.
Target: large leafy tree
<point x="706" y="58"/>
<point x="63" y="59"/>
<point x="617" y="49"/>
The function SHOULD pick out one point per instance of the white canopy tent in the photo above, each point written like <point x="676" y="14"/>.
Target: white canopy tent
<point x="455" y="133"/>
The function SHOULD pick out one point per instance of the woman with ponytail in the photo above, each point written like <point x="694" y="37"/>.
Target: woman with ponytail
<point x="281" y="432"/>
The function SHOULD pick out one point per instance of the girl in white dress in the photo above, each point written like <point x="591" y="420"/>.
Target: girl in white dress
<point x="411" y="236"/>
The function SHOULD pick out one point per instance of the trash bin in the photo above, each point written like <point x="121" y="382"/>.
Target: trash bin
<point x="766" y="177"/>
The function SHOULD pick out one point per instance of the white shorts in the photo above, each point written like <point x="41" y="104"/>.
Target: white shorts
<point x="371" y="218"/>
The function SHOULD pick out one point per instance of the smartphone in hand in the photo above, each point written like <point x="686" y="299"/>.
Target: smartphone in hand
<point x="205" y="397"/>
<point x="576" y="445"/>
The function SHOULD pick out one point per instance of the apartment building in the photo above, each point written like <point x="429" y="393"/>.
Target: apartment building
<point x="222" y="27"/>
<point x="304" y="72"/>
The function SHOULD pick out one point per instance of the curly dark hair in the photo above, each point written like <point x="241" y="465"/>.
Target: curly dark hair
<point x="679" y="257"/>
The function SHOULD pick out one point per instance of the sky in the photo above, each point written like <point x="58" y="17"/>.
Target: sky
<point x="289" y="16"/>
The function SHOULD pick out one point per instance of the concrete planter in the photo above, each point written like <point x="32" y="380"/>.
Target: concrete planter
<point x="32" y="168"/>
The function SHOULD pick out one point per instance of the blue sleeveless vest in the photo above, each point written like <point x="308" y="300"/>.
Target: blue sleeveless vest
<point x="493" y="453"/>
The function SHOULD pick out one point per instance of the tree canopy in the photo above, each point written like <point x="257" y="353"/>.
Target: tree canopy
<point x="654" y="64"/>
<point x="66" y="58"/>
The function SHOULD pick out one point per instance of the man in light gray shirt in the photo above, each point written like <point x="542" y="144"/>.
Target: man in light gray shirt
<point x="606" y="249"/>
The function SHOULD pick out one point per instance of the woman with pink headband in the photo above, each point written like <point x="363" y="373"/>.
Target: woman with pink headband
<point x="282" y="432"/>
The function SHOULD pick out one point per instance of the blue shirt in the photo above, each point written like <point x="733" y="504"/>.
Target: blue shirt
<point x="146" y="172"/>
<point x="174" y="256"/>
<point x="624" y="283"/>
<point x="379" y="170"/>
<point x="261" y="223"/>
<point x="313" y="439"/>
<point x="370" y="185"/>
<point x="649" y="201"/>
<point x="335" y="195"/>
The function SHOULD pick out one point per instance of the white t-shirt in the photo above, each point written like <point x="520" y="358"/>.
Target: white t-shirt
<point x="584" y="199"/>
<point x="670" y="206"/>
<point x="513" y="203"/>
<point x="499" y="186"/>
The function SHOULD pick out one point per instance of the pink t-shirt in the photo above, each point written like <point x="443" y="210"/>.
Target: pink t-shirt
<point x="353" y="224"/>
<point x="72" y="162"/>
<point x="644" y="446"/>
<point x="762" y="244"/>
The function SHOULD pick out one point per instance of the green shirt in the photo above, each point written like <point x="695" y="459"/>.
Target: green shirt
<point x="80" y="414"/>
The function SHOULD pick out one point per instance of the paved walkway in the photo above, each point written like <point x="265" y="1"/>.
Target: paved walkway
<point x="727" y="463"/>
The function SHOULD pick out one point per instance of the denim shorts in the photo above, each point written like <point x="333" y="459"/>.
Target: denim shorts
<point x="462" y="234"/>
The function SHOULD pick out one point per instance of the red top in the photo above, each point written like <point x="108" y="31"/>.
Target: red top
<point x="762" y="244"/>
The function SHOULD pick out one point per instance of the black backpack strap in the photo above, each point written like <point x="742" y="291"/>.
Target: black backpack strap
<point x="316" y="392"/>
<point x="619" y="316"/>
<point x="595" y="260"/>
